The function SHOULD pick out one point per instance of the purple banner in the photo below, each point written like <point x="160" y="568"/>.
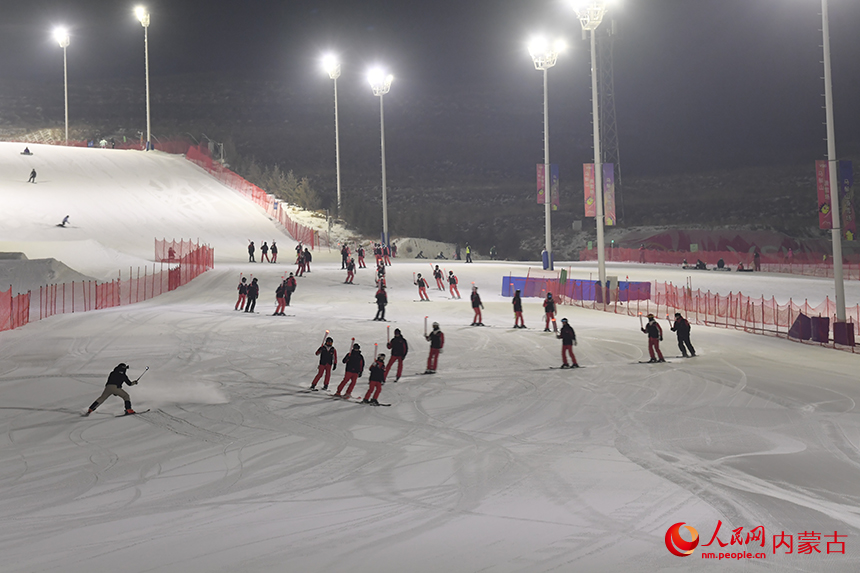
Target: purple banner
<point x="822" y="181"/>
<point x="588" y="183"/>
<point x="846" y="200"/>
<point x="553" y="186"/>
<point x="541" y="182"/>
<point x="609" y="193"/>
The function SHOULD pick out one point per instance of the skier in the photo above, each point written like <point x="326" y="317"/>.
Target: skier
<point x="757" y="261"/>
<point x="655" y="336"/>
<point x="26" y="151"/>
<point x="386" y="255"/>
<point x="354" y="369"/>
<point x="568" y="340"/>
<point x="441" y="256"/>
<point x="114" y="388"/>
<point x="350" y="271"/>
<point x="300" y="261"/>
<point x="399" y="349"/>
<point x="377" y="379"/>
<point x="251" y="250"/>
<point x="380" y="276"/>
<point x="468" y="253"/>
<point x="377" y="252"/>
<point x="243" y="294"/>
<point x="308" y="258"/>
<point x="518" y="311"/>
<point x="65" y="220"/>
<point x="290" y="284"/>
<point x="264" y="252"/>
<point x="32" y="178"/>
<point x="437" y="274"/>
<point x="274" y="252"/>
<point x="549" y="309"/>
<point x="344" y="254"/>
<point x="682" y="329"/>
<point x="253" y="293"/>
<point x="493" y="252"/>
<point x="422" y="288"/>
<point x="452" y="282"/>
<point x="437" y="340"/>
<point x="477" y="305"/>
<point x="328" y="362"/>
<point x="361" y="257"/>
<point x="381" y="301"/>
<point x="280" y="295"/>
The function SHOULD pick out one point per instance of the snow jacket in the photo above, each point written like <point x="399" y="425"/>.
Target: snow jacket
<point x="653" y="329"/>
<point x="117" y="378"/>
<point x="291" y="284"/>
<point x="476" y="300"/>
<point x="437" y="273"/>
<point x="518" y="303"/>
<point x="398" y="346"/>
<point x="377" y="371"/>
<point x="354" y="362"/>
<point x="549" y="305"/>
<point x="253" y="289"/>
<point x="327" y="354"/>
<point x="242" y="288"/>
<point x="567" y="335"/>
<point x="381" y="298"/>
<point x="421" y="283"/>
<point x="437" y="339"/>
<point x="452" y="279"/>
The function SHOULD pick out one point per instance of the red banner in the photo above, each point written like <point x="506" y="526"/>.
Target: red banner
<point x="541" y="183"/>
<point x="588" y="182"/>
<point x="609" y="193"/>
<point x="822" y="179"/>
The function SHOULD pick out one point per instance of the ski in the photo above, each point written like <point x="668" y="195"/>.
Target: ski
<point x="649" y="362"/>
<point x="135" y="413"/>
<point x="693" y="356"/>
<point x="413" y="300"/>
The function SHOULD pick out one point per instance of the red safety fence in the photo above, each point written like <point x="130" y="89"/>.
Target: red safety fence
<point x="84" y="296"/>
<point x="199" y="155"/>
<point x="809" y="264"/>
<point x="172" y="251"/>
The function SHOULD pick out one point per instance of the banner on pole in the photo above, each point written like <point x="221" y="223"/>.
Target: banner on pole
<point x="588" y="181"/>
<point x="553" y="186"/>
<point x="822" y="179"/>
<point x="846" y="200"/>
<point x="609" y="193"/>
<point x="541" y="183"/>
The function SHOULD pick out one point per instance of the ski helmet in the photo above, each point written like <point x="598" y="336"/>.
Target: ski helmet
<point x="419" y="275"/>
<point x="244" y="280"/>
<point x="356" y="346"/>
<point x="380" y="358"/>
<point x="678" y="314"/>
<point x="329" y="340"/>
<point x="121" y="366"/>
<point x="564" y="320"/>
<point x="435" y="326"/>
<point x="396" y="331"/>
<point x="549" y="295"/>
<point x="650" y="316"/>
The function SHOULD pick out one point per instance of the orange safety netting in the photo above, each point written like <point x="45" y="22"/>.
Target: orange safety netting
<point x="14" y="310"/>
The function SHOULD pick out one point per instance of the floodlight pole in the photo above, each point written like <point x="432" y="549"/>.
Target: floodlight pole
<point x="590" y="16"/>
<point x="143" y="16"/>
<point x="380" y="87"/>
<point x="833" y="164"/>
<point x="334" y="73"/>
<point x="63" y="40"/>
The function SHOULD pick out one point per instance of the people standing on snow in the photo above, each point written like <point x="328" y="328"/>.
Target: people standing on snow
<point x="280" y="296"/>
<point x="32" y="178"/>
<point x="549" y="309"/>
<point x="274" y="252"/>
<point x="290" y="284"/>
<point x="457" y="252"/>
<point x="757" y="261"/>
<point x="253" y="293"/>
<point x="380" y="275"/>
<point x="422" y="288"/>
<point x="452" y="282"/>
<point x="328" y="362"/>
<point x="386" y="254"/>
<point x="300" y="261"/>
<point x="354" y="369"/>
<point x="437" y="341"/>
<point x="377" y="252"/>
<point x="251" y="250"/>
<point x="361" y="257"/>
<point x="682" y="329"/>
<point x="394" y="249"/>
<point x="264" y="252"/>
<point x="468" y="253"/>
<point x="655" y="335"/>
<point x="344" y="256"/>
<point x="381" y="301"/>
<point x="243" y="294"/>
<point x="477" y="305"/>
<point x="113" y="387"/>
<point x="377" y="379"/>
<point x="493" y="252"/>
<point x="518" y="310"/>
<point x="350" y="271"/>
<point x="399" y="349"/>
<point x="568" y="340"/>
<point x="437" y="274"/>
<point x="308" y="257"/>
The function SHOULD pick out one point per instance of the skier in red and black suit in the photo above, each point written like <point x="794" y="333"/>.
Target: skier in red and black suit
<point x="280" y="296"/>
<point x="251" y="250"/>
<point x="344" y="256"/>
<point x="518" y="311"/>
<point x="386" y="255"/>
<point x="253" y="293"/>
<point x="655" y="335"/>
<point x="274" y="252"/>
<point x="568" y="340"/>
<point x="300" y="261"/>
<point x="361" y="257"/>
<point x="437" y="342"/>
<point x="477" y="305"/>
<point x="243" y="294"/>
<point x="682" y="329"/>
<point x="422" y="288"/>
<point x="354" y="368"/>
<point x="377" y="252"/>
<point x="380" y="275"/>
<point x="452" y="281"/>
<point x="308" y="258"/>
<point x="290" y="285"/>
<point x="437" y="274"/>
<point x="328" y="362"/>
<point x="381" y="301"/>
<point x="377" y="379"/>
<point x="399" y="349"/>
<point x="264" y="252"/>
<point x="549" y="309"/>
<point x="350" y="271"/>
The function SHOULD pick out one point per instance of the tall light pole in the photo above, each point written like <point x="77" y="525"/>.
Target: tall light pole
<point x="143" y="16"/>
<point x="380" y="83"/>
<point x="833" y="164"/>
<point x="62" y="37"/>
<point x="332" y="66"/>
<point x="590" y="14"/>
<point x="545" y="56"/>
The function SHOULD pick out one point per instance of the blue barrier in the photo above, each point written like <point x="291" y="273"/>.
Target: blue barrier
<point x="572" y="288"/>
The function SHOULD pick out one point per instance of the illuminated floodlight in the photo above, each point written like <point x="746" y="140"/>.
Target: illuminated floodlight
<point x="331" y="66"/>
<point x="545" y="53"/>
<point x="591" y="12"/>
<point x="142" y="15"/>
<point x="380" y="83"/>
<point x="61" y="35"/>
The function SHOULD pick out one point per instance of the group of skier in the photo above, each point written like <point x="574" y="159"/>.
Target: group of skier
<point x="248" y="294"/>
<point x="264" y="252"/>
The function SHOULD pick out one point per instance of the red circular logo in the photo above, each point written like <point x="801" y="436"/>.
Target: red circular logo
<point x="676" y="545"/>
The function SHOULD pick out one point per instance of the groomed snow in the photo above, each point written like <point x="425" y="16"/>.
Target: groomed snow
<point x="496" y="463"/>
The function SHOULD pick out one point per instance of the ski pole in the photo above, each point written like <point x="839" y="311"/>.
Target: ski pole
<point x="141" y="374"/>
<point x="640" y="321"/>
<point x="388" y="334"/>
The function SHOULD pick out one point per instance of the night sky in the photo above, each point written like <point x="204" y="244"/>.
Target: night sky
<point x="698" y="82"/>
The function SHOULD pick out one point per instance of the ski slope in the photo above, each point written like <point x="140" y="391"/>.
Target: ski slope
<point x="496" y="463"/>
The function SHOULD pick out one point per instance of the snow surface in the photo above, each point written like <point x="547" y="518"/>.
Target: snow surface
<point x="496" y="463"/>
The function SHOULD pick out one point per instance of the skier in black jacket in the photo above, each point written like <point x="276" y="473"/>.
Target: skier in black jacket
<point x="682" y="329"/>
<point x="399" y="349"/>
<point x="381" y="301"/>
<point x="354" y="368"/>
<point x="377" y="379"/>
<point x="243" y="294"/>
<point x="655" y="335"/>
<point x="328" y="362"/>
<point x="253" y="293"/>
<point x="568" y="340"/>
<point x="518" y="310"/>
<point x="113" y="387"/>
